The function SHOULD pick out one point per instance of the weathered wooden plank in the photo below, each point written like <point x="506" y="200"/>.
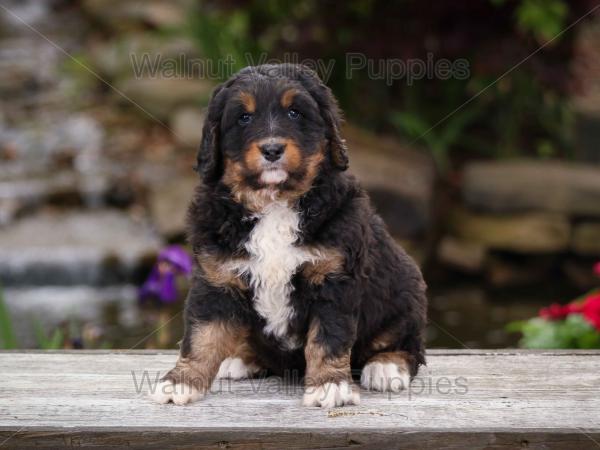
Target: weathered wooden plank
<point x="471" y="398"/>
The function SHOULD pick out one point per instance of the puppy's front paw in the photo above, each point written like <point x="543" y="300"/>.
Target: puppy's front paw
<point x="329" y="395"/>
<point x="236" y="369"/>
<point x="179" y="393"/>
<point x="384" y="377"/>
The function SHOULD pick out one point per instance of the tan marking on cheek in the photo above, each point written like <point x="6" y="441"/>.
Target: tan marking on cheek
<point x="233" y="177"/>
<point x="248" y="101"/>
<point x="253" y="157"/>
<point x="293" y="155"/>
<point x="233" y="173"/>
<point x="312" y="166"/>
<point x="217" y="273"/>
<point x="322" y="368"/>
<point x="310" y="172"/>
<point x="288" y="97"/>
<point x="331" y="263"/>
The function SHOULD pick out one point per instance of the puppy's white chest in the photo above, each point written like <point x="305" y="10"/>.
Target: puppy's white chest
<point x="274" y="259"/>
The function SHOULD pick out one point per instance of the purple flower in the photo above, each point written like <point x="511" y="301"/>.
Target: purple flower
<point x="172" y="262"/>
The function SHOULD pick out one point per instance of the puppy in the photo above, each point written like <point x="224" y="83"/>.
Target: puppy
<point x="294" y="270"/>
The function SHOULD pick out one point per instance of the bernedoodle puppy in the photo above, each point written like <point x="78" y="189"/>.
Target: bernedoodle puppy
<point x="294" y="269"/>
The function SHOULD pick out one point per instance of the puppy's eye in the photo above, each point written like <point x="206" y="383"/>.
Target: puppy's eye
<point x="245" y="119"/>
<point x="293" y="114"/>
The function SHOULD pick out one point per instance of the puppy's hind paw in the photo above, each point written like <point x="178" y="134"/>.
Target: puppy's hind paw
<point x="179" y="393"/>
<point x="329" y="395"/>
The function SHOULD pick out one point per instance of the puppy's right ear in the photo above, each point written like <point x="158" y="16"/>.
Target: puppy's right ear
<point x="209" y="161"/>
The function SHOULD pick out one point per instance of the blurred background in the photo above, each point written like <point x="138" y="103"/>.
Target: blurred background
<point x="475" y="126"/>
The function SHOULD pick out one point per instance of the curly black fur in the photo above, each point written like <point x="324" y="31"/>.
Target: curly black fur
<point x="380" y="290"/>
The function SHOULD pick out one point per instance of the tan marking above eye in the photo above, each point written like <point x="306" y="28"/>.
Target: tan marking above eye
<point x="248" y="101"/>
<point x="288" y="97"/>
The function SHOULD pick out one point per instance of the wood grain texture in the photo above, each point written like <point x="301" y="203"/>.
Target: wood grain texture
<point x="462" y="399"/>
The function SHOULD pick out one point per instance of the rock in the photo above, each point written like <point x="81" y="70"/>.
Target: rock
<point x="187" y="126"/>
<point x="504" y="272"/>
<point x="96" y="247"/>
<point x="451" y="313"/>
<point x="586" y="238"/>
<point x="9" y="210"/>
<point x="31" y="12"/>
<point x="517" y="186"/>
<point x="161" y="96"/>
<point x="143" y="54"/>
<point x="77" y="135"/>
<point x="523" y="233"/>
<point x="27" y="193"/>
<point x="127" y="14"/>
<point x="463" y="255"/>
<point x="169" y="202"/>
<point x="580" y="274"/>
<point x="27" y="65"/>
<point x="400" y="180"/>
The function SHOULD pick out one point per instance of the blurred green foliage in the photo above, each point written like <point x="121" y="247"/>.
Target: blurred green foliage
<point x="544" y="18"/>
<point x="8" y="340"/>
<point x="573" y="332"/>
<point x="523" y="112"/>
<point x="54" y="341"/>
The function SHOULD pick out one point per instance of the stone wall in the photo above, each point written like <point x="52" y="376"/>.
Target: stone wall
<point x="526" y="212"/>
<point x="96" y="165"/>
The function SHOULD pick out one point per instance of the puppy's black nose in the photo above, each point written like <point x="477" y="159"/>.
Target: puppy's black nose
<point x="273" y="151"/>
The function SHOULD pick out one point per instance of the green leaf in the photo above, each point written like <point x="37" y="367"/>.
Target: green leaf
<point x="544" y="18"/>
<point x="573" y="332"/>
<point x="54" y="342"/>
<point x="456" y="123"/>
<point x="516" y="326"/>
<point x="540" y="333"/>
<point x="410" y="123"/>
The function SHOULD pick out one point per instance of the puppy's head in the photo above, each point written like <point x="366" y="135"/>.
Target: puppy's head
<point x="271" y="128"/>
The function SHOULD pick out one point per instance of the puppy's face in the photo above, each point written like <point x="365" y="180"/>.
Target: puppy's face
<point x="272" y="136"/>
<point x="271" y="129"/>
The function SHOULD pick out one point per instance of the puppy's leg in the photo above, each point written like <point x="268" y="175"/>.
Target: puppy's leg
<point x="328" y="380"/>
<point x="208" y="344"/>
<point x="387" y="371"/>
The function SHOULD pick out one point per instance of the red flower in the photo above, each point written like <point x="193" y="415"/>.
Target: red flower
<point x="591" y="310"/>
<point x="597" y="269"/>
<point x="556" y="311"/>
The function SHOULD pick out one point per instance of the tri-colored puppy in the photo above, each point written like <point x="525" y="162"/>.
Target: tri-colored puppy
<point x="294" y="269"/>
